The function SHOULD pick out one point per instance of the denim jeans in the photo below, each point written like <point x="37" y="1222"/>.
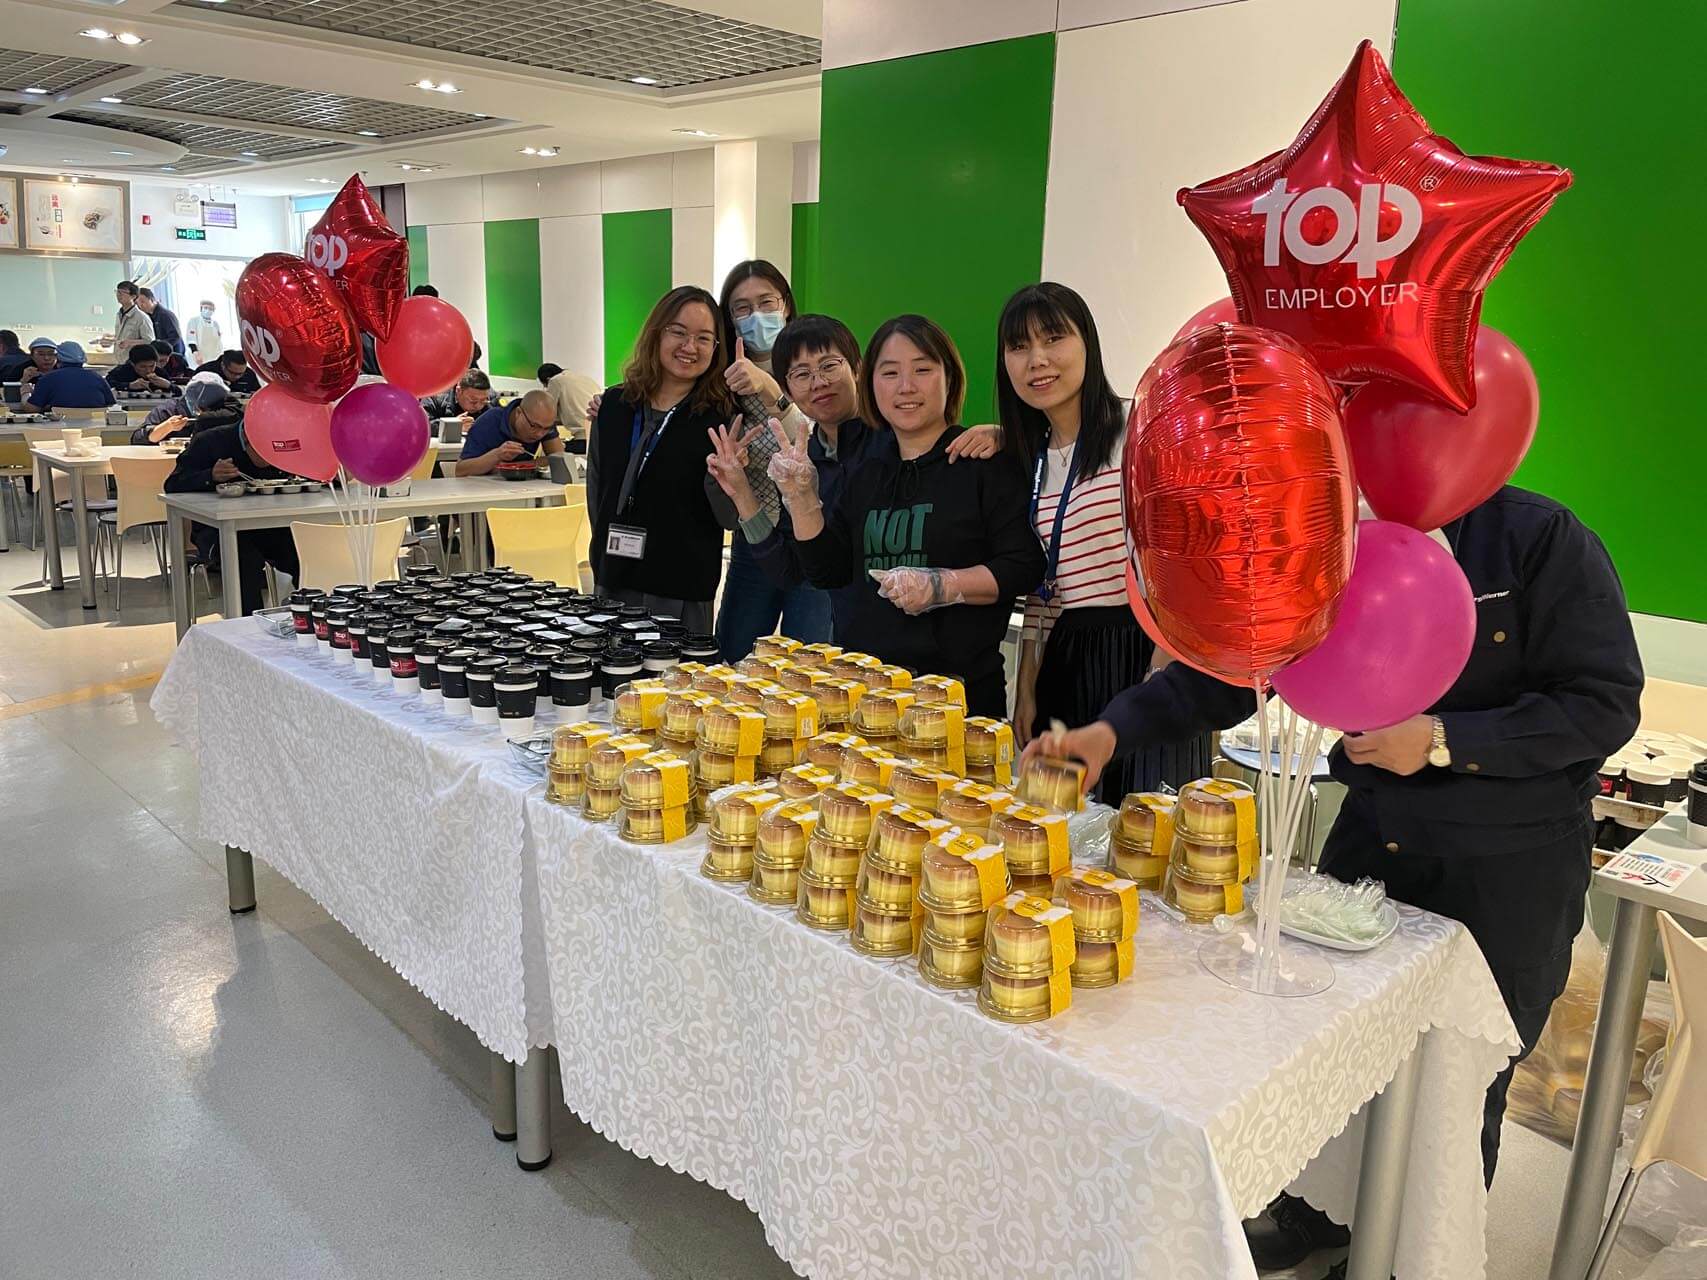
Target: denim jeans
<point x="753" y="604"/>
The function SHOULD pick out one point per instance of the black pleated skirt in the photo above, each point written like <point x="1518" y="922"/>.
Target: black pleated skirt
<point x="1091" y="655"/>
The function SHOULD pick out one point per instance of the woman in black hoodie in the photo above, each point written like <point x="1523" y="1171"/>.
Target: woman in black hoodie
<point x="939" y="553"/>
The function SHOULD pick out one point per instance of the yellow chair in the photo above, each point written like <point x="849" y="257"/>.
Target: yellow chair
<point x="16" y="467"/>
<point x="541" y="541"/>
<point x="1675" y="1128"/>
<point x="139" y="482"/>
<point x="324" y="557"/>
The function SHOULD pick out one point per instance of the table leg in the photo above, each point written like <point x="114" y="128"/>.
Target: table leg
<point x="85" y="560"/>
<point x="533" y="1111"/>
<point x="474" y="541"/>
<point x="239" y="880"/>
<point x="229" y="575"/>
<point x="1629" y="958"/>
<point x="1381" y="1179"/>
<point x="49" y="523"/>
<point x="178" y="572"/>
<point x="503" y="1099"/>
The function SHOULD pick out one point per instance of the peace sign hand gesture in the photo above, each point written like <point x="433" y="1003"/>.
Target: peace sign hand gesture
<point x="792" y="471"/>
<point x="727" y="463"/>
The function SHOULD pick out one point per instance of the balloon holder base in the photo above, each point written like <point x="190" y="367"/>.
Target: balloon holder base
<point x="1294" y="970"/>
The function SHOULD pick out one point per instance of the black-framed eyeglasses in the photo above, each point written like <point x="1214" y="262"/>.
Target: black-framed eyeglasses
<point x="805" y="375"/>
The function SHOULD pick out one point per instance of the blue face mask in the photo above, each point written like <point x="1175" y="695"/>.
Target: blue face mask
<point x="759" y="330"/>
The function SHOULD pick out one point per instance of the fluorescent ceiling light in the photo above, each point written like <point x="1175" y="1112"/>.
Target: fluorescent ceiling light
<point x="248" y="153"/>
<point x="96" y="33"/>
<point x="436" y="86"/>
<point x="367" y="133"/>
<point x="641" y="80"/>
<point x="112" y="101"/>
<point x="130" y="38"/>
<point x="698" y="133"/>
<point x="36" y="89"/>
<point x="122" y="153"/>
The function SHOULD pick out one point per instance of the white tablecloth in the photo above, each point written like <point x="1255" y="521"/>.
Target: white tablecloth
<point x="881" y="1128"/>
<point x="406" y="826"/>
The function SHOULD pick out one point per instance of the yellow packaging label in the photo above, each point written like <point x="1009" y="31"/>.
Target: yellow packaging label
<point x="691" y="669"/>
<point x="1054" y="827"/>
<point x="1124" y="954"/>
<point x="1060" y="992"/>
<point x="797" y="709"/>
<point x="678" y="784"/>
<point x="856" y="690"/>
<point x="881" y="760"/>
<point x="744" y="768"/>
<point x="986" y="858"/>
<point x="1245" y="815"/>
<point x="1235" y="898"/>
<point x="652" y="697"/>
<point x="802" y="813"/>
<point x="1000" y="730"/>
<point x="811" y="775"/>
<point x="875" y="800"/>
<point x="824" y="651"/>
<point x="1124" y="890"/>
<point x="1063" y="946"/>
<point x="675" y="823"/>
<point x="897" y="677"/>
<point x="590" y="733"/>
<point x="750" y="733"/>
<point x="952" y="690"/>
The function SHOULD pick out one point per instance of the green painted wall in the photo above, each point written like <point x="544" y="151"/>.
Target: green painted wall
<point x="418" y="266"/>
<point x="803" y="273"/>
<point x="934" y="169"/>
<point x="637" y="274"/>
<point x="1603" y="295"/>
<point x="514" y="337"/>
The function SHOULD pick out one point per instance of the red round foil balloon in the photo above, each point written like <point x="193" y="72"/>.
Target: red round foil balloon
<point x="1239" y="500"/>
<point x="369" y="262"/>
<point x="1371" y="238"/>
<point x="296" y="330"/>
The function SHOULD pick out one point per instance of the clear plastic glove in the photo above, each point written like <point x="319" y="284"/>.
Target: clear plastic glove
<point x="792" y="472"/>
<point x="919" y="590"/>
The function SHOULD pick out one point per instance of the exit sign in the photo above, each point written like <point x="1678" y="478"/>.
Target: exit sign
<point x="191" y="233"/>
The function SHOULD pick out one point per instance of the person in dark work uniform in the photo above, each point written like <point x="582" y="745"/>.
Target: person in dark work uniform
<point x="1478" y="810"/>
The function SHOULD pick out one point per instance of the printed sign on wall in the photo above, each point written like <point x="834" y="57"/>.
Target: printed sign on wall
<point x="76" y="217"/>
<point x="8" y="213"/>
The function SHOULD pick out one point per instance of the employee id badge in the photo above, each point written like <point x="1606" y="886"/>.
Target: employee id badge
<point x="626" y="541"/>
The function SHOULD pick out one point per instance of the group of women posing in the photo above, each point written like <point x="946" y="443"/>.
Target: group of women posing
<point x="866" y="513"/>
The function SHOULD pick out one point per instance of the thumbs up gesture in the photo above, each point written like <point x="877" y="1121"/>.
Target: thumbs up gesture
<point x="746" y="379"/>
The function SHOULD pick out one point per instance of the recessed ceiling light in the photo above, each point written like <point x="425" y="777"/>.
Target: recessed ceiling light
<point x="641" y="80"/>
<point x="248" y="153"/>
<point x="697" y="133"/>
<point x="35" y="89"/>
<point x="96" y="33"/>
<point x="436" y="86"/>
<point x="170" y="168"/>
<point x="130" y="38"/>
<point x="112" y="101"/>
<point x="530" y="151"/>
<point x="367" y="133"/>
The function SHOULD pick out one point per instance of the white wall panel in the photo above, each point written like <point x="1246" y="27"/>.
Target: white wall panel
<point x="569" y="189"/>
<point x="1145" y="107"/>
<point x="858" y="31"/>
<point x="516" y="194"/>
<point x="691" y="178"/>
<point x="1091" y="13"/>
<point x="456" y="252"/>
<point x="640" y="182"/>
<point x="263" y="224"/>
<point x="572" y="292"/>
<point x="444" y="200"/>
<point x="691" y="255"/>
<point x="806" y="166"/>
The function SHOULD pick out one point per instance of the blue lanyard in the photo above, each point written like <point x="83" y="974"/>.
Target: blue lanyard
<point x="631" y="480"/>
<point x="1052" y="550"/>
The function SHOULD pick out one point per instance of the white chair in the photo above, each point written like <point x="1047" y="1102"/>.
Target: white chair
<point x="95" y="498"/>
<point x="324" y="557"/>
<point x="1675" y="1129"/>
<point x="139" y="482"/>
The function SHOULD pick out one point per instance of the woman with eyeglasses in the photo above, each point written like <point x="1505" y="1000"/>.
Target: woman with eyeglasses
<point x="1064" y="425"/>
<point x="937" y="554"/>
<point x="656" y="541"/>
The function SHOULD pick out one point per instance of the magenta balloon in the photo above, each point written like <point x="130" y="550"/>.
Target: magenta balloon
<point x="379" y="432"/>
<point x="1406" y="623"/>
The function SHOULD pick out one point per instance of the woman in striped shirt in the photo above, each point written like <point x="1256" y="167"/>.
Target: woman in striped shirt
<point x="1081" y="644"/>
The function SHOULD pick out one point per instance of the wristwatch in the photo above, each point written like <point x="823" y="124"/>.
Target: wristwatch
<point x="782" y="403"/>
<point x="1438" y="753"/>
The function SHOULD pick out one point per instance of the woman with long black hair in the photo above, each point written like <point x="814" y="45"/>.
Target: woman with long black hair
<point x="1064" y="424"/>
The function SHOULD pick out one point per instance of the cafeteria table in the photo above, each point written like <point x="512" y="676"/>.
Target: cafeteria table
<point x="52" y="457"/>
<point x="452" y="495"/>
<point x="1629" y="960"/>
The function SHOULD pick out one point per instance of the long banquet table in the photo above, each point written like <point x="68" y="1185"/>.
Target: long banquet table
<point x="878" y="1127"/>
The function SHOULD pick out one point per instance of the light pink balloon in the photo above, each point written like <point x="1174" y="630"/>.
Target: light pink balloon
<point x="1405" y="627"/>
<point x="294" y="435"/>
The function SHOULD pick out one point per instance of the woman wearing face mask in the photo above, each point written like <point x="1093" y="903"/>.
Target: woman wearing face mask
<point x="938" y="553"/>
<point x="818" y="360"/>
<point x="1064" y="424"/>
<point x="655" y="540"/>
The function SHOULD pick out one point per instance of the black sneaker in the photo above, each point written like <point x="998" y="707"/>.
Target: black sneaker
<point x="1290" y="1230"/>
<point x="1337" y="1271"/>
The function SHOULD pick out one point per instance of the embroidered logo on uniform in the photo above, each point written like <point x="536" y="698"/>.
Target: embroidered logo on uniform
<point x="1493" y="595"/>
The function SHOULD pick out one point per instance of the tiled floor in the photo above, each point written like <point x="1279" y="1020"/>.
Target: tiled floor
<point x="189" y="1094"/>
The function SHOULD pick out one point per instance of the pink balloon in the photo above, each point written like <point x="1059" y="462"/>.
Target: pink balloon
<point x="1221" y="311"/>
<point x="1424" y="464"/>
<point x="428" y="349"/>
<point x="379" y="432"/>
<point x="294" y="435"/>
<point x="1405" y="627"/>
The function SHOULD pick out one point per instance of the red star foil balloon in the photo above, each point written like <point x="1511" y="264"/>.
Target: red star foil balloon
<point x="366" y="259"/>
<point x="1371" y="238"/>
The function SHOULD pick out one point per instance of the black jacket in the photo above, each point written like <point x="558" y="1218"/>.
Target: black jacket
<point x="224" y="416"/>
<point x="684" y="542"/>
<point x="247" y="385"/>
<point x="167" y="329"/>
<point x="194" y="470"/>
<point x="776" y="554"/>
<point x="927" y="513"/>
<point x="1552" y="688"/>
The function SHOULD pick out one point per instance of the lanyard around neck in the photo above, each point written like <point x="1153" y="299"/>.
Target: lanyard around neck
<point x="1052" y="549"/>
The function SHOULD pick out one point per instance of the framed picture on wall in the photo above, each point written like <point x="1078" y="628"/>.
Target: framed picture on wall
<point x="8" y="213"/>
<point x="76" y="217"/>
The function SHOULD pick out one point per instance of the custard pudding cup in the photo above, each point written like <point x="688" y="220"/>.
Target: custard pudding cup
<point x="1209" y="860"/>
<point x="681" y="676"/>
<point x="803" y="781"/>
<point x="1011" y="999"/>
<point x="565" y="786"/>
<point x="727" y="859"/>
<point x="826" y="749"/>
<point x="948" y="962"/>
<point x="773" y="882"/>
<point x="964" y="927"/>
<point x="735" y="812"/>
<point x="714" y="769"/>
<point x="890" y="676"/>
<point x="848" y="809"/>
<point x="790" y="716"/>
<point x="655" y="825"/>
<point x="775" y="646"/>
<point x="919" y="785"/>
<point x="683" y="711"/>
<point x="754" y="665"/>
<point x="879" y="711"/>
<point x="823" y="905"/>
<point x="608" y="760"/>
<point x="732" y="730"/>
<point x="1028" y="936"/>
<point x="657" y="780"/>
<point x="815" y="655"/>
<point x="833" y="862"/>
<point x="963" y="872"/>
<point x="795" y="678"/>
<point x="1201" y="901"/>
<point x="1053" y="784"/>
<point x="877" y="932"/>
<point x="1139" y="865"/>
<point x="885" y="889"/>
<point x="1104" y="907"/>
<point x="972" y="805"/>
<point x="1034" y="840"/>
<point x="572" y="744"/>
<point x="1102" y="964"/>
<point x="784" y="830"/>
<point x="599" y="803"/>
<point x="868" y="765"/>
<point x="899" y="835"/>
<point x="835" y="698"/>
<point x="935" y="688"/>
